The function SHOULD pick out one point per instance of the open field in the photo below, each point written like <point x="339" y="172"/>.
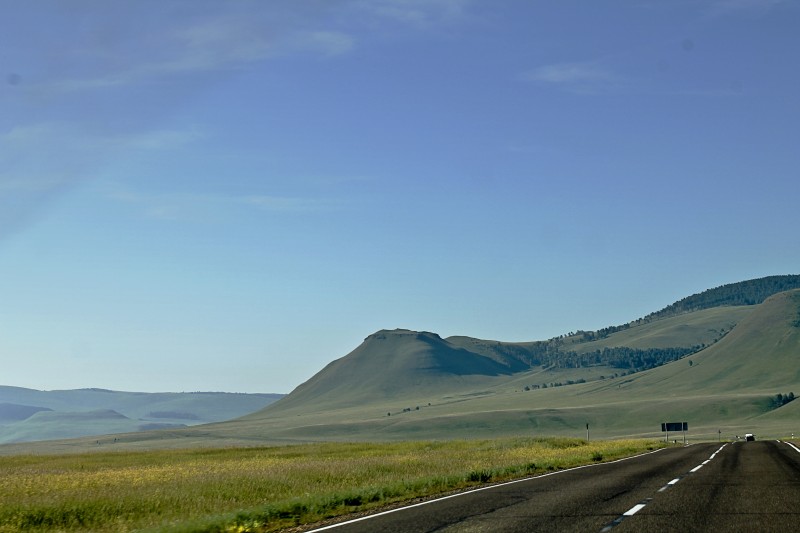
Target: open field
<point x="265" y="489"/>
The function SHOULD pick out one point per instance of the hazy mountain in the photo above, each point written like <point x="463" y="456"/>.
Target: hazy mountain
<point x="28" y="414"/>
<point x="11" y="412"/>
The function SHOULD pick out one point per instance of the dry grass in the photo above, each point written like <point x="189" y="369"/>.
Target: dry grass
<point x="263" y="489"/>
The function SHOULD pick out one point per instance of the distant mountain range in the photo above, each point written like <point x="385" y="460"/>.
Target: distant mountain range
<point x="30" y="415"/>
<point x="726" y="360"/>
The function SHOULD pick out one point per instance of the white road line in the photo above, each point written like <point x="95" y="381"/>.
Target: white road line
<point x="668" y="485"/>
<point x="633" y="510"/>
<point x="793" y="446"/>
<point x="638" y="507"/>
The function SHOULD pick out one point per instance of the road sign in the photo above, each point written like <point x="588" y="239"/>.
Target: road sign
<point x="675" y="426"/>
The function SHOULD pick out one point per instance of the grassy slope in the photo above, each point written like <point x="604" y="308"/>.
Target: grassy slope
<point x="691" y="329"/>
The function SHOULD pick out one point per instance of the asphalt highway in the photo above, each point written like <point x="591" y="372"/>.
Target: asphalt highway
<point x="743" y="486"/>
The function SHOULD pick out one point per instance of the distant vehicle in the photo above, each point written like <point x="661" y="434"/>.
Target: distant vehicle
<point x="749" y="436"/>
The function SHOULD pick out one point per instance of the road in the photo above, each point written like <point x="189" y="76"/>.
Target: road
<point x="743" y="486"/>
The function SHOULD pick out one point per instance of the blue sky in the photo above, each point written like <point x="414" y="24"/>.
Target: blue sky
<point x="229" y="195"/>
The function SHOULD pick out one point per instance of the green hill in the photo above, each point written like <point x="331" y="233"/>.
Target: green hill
<point x="750" y="292"/>
<point x="407" y="364"/>
<point x="761" y="354"/>
<point x="728" y="365"/>
<point x="751" y="353"/>
<point x="390" y="364"/>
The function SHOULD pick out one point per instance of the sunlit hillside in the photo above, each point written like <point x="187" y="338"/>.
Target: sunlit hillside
<point x="403" y="384"/>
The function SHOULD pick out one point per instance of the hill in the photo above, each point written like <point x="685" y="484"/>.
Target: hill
<point x="46" y="425"/>
<point x="389" y="364"/>
<point x="401" y="363"/>
<point x="734" y="359"/>
<point x="11" y="412"/>
<point x="729" y="364"/>
<point x="28" y="414"/>
<point x="750" y="292"/>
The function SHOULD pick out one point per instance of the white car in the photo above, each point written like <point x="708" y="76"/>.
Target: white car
<point x="749" y="436"/>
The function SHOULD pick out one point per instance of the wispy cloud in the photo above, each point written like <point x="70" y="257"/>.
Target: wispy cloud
<point x="202" y="47"/>
<point x="159" y="139"/>
<point x="55" y="142"/>
<point x="42" y="157"/>
<point x="419" y="13"/>
<point x="131" y="46"/>
<point x="286" y="204"/>
<point x="723" y="6"/>
<point x="195" y="207"/>
<point x="228" y="41"/>
<point x="585" y="77"/>
<point x="40" y="162"/>
<point x="327" y="43"/>
<point x="570" y="73"/>
<point x="33" y="175"/>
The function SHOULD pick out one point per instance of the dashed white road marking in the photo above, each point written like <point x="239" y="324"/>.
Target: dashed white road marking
<point x="668" y="485"/>
<point x="639" y="506"/>
<point x="488" y="487"/>
<point x="635" y="509"/>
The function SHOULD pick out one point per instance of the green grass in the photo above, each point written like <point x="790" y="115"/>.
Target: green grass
<point x="264" y="489"/>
